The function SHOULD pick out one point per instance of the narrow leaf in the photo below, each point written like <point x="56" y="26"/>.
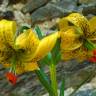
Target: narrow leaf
<point x="62" y="88"/>
<point x="44" y="81"/>
<point x="38" y="31"/>
<point x="46" y="59"/>
<point x="21" y="30"/>
<point x="56" y="54"/>
<point x="89" y="45"/>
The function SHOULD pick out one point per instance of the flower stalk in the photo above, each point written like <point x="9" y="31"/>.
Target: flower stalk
<point x="44" y="81"/>
<point x="53" y="77"/>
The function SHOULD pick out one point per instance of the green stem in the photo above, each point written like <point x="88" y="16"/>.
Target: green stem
<point x="13" y="65"/>
<point x="44" y="81"/>
<point x="53" y="78"/>
<point x="62" y="88"/>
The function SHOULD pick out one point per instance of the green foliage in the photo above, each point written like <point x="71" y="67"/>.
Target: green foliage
<point x="89" y="45"/>
<point x="43" y="79"/>
<point x="62" y="88"/>
<point x="56" y="54"/>
<point x="23" y="28"/>
<point x="39" y="32"/>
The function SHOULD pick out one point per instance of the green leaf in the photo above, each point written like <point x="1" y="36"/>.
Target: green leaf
<point x="38" y="31"/>
<point x="46" y="59"/>
<point x="23" y="28"/>
<point x="56" y="54"/>
<point x="89" y="45"/>
<point x="53" y="78"/>
<point x="44" y="81"/>
<point x="62" y="88"/>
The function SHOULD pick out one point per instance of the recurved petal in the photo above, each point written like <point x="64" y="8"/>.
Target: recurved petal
<point x="92" y="36"/>
<point x="7" y="31"/>
<point x="79" y="21"/>
<point x="45" y="46"/>
<point x="92" y="22"/>
<point x="4" y="43"/>
<point x="5" y="52"/>
<point x="28" y="41"/>
<point x="63" y="24"/>
<point x="70" y="40"/>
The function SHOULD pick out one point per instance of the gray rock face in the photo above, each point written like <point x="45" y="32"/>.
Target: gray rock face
<point x="45" y="13"/>
<point x="90" y="9"/>
<point x="62" y="8"/>
<point x="86" y="1"/>
<point x="73" y="72"/>
<point x="34" y="4"/>
<point x="52" y="10"/>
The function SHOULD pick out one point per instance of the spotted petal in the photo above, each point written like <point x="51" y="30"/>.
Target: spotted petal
<point x="7" y="31"/>
<point x="93" y="29"/>
<point x="63" y="24"/>
<point x="79" y="21"/>
<point x="80" y="54"/>
<point x="70" y="40"/>
<point x="92" y="22"/>
<point x="28" y="42"/>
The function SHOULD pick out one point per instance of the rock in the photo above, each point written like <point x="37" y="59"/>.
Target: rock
<point x="21" y="18"/>
<point x="13" y="1"/>
<point x="86" y="1"/>
<point x="17" y="1"/>
<point x="28" y="83"/>
<point x="85" y="90"/>
<point x="18" y="6"/>
<point x="59" y="9"/>
<point x="34" y="4"/>
<point x="90" y="9"/>
<point x="1" y="15"/>
<point x="46" y="26"/>
<point x="68" y="91"/>
<point x="75" y="78"/>
<point x="1" y="1"/>
<point x="3" y="6"/>
<point x="9" y="15"/>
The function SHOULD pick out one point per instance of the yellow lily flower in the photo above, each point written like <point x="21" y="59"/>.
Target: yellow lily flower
<point x="26" y="48"/>
<point x="75" y="29"/>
